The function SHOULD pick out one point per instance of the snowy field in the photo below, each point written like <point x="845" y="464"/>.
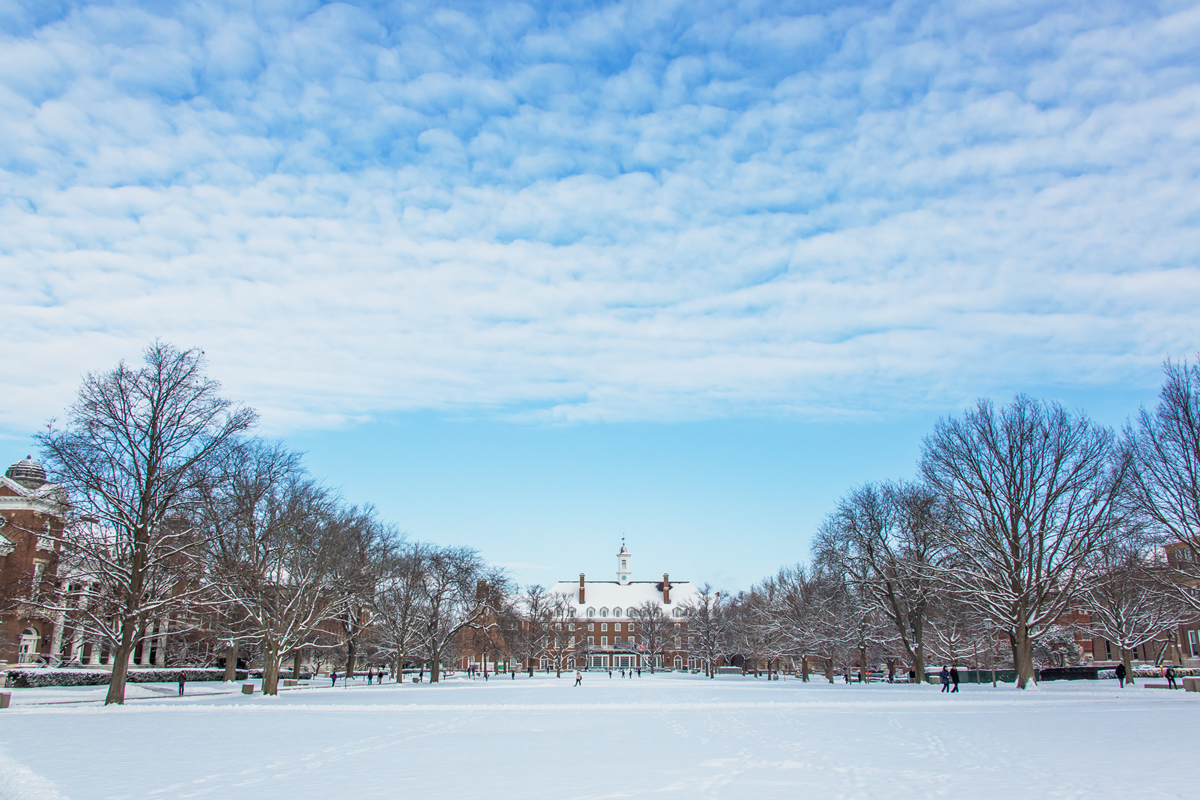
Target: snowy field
<point x="666" y="735"/>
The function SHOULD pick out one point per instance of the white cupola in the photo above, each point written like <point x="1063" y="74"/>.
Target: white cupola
<point x="623" y="559"/>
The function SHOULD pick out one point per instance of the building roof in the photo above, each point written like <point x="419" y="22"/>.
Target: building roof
<point x="27" y="472"/>
<point x="612" y="594"/>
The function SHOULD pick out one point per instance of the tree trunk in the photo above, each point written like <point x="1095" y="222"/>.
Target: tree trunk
<point x="862" y="664"/>
<point x="270" y="680"/>
<point x="1127" y="660"/>
<point x="435" y="669"/>
<point x="399" y="667"/>
<point x="231" y="654"/>
<point x="116" y="686"/>
<point x="1022" y="647"/>
<point x="296" y="665"/>
<point x="829" y="670"/>
<point x="351" y="651"/>
<point x="804" y="668"/>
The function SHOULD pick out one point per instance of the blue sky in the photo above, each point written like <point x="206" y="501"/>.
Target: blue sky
<point x="529" y="276"/>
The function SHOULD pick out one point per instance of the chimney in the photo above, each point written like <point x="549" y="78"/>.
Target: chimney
<point x="581" y="600"/>
<point x="481" y="590"/>
<point x="666" y="589"/>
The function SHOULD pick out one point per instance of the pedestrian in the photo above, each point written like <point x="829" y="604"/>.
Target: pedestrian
<point x="1171" y="677"/>
<point x="954" y="679"/>
<point x="183" y="677"/>
<point x="610" y="673"/>
<point x="485" y="676"/>
<point x="333" y="676"/>
<point x="945" y="676"/>
<point x="912" y="676"/>
<point x="370" y="675"/>
<point x="578" y="677"/>
<point x="1120" y="672"/>
<point x="639" y="672"/>
<point x="512" y="673"/>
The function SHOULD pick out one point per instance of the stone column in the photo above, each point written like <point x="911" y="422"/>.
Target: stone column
<point x="56" y="637"/>
<point x="145" y="659"/>
<point x="77" y="646"/>
<point x="160" y="653"/>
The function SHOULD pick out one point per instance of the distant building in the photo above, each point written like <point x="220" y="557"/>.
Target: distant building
<point x="606" y="614"/>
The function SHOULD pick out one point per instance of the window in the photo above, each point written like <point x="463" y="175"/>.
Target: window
<point x="603" y="626"/>
<point x="678" y="662"/>
<point x="604" y="641"/>
<point x="616" y="612"/>
<point x="591" y="612"/>
<point x="591" y="640"/>
<point x="677" y="612"/>
<point x="630" y="627"/>
<point x="617" y="626"/>
<point x="591" y="626"/>
<point x="617" y="642"/>
<point x="1194" y="643"/>
<point x="604" y="612"/>
<point x="570" y="612"/>
<point x="1107" y="650"/>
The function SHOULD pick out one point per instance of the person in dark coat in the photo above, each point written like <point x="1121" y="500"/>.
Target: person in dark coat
<point x="1120" y="670"/>
<point x="333" y="677"/>
<point x="954" y="679"/>
<point x="182" y="678"/>
<point x="945" y="676"/>
<point x="1171" y="677"/>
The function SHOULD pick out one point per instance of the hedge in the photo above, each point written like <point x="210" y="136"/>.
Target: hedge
<point x="43" y="676"/>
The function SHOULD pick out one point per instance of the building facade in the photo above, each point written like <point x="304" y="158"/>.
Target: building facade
<point x="31" y="515"/>
<point x="610" y="622"/>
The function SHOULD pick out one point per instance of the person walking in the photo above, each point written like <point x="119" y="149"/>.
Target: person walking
<point x="639" y="672"/>
<point x="182" y="678"/>
<point x="578" y="677"/>
<point x="1170" y="678"/>
<point x="945" y="676"/>
<point x="954" y="679"/>
<point x="370" y="675"/>
<point x="1120" y="672"/>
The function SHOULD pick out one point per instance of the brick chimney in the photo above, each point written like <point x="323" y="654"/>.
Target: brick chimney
<point x="666" y="589"/>
<point x="581" y="600"/>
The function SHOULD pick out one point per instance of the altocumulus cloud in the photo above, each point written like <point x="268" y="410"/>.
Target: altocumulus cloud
<point x="641" y="210"/>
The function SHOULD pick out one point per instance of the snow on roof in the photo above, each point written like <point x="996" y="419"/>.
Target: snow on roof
<point x="611" y="594"/>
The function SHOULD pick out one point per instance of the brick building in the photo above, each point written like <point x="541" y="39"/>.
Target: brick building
<point x="30" y="508"/>
<point x="606" y="622"/>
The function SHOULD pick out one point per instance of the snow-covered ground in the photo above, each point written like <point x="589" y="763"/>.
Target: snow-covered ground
<point x="666" y="735"/>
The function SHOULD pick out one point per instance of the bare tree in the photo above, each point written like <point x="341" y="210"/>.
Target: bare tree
<point x="137" y="443"/>
<point x="398" y="602"/>
<point x="882" y="539"/>
<point x="708" y="621"/>
<point x="653" y="628"/>
<point x="1128" y="599"/>
<point x="276" y="550"/>
<point x="451" y="601"/>
<point x="1031" y="491"/>
<point x="1165" y="477"/>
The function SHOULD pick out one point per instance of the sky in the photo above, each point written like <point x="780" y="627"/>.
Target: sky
<point x="530" y="277"/>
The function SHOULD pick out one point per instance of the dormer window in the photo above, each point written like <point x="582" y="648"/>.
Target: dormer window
<point x="616" y="612"/>
<point x="604" y="612"/>
<point x="591" y="612"/>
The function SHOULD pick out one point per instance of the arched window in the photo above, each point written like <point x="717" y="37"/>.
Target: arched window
<point x="678" y="662"/>
<point x="570" y="612"/>
<point x="604" y="612"/>
<point x="591" y="612"/>
<point x="677" y="612"/>
<point x="616" y="612"/>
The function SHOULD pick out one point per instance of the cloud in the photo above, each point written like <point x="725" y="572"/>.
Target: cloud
<point x="625" y="211"/>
